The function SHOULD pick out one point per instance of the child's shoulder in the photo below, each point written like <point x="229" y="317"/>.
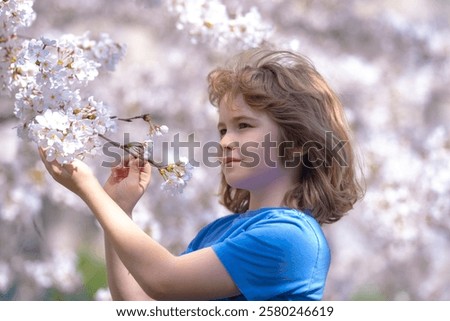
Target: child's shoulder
<point x="279" y="215"/>
<point x="266" y="217"/>
<point x="219" y="222"/>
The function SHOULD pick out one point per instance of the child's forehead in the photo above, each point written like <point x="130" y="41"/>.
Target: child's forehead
<point x="231" y="101"/>
<point x="237" y="108"/>
<point x="234" y="105"/>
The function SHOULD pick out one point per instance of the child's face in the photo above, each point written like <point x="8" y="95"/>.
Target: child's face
<point x="249" y="140"/>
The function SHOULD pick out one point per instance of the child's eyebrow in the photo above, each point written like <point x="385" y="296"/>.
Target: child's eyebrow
<point x="237" y="119"/>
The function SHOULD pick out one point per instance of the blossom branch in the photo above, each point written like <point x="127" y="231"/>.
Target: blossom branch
<point x="157" y="130"/>
<point x="175" y="175"/>
<point x="134" y="149"/>
<point x="47" y="77"/>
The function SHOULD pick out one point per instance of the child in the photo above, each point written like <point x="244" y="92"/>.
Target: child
<point x="287" y="168"/>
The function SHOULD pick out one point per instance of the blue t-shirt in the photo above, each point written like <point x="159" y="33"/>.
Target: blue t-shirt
<point x="270" y="253"/>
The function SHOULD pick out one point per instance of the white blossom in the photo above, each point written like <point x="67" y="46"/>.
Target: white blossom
<point x="162" y="130"/>
<point x="394" y="88"/>
<point x="103" y="294"/>
<point x="49" y="87"/>
<point x="148" y="149"/>
<point x="5" y="276"/>
<point x="58" y="271"/>
<point x="210" y="21"/>
<point x="176" y="175"/>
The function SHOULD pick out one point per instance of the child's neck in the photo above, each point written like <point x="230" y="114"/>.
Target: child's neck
<point x="258" y="202"/>
<point x="271" y="195"/>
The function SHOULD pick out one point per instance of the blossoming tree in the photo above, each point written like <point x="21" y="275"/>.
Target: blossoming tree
<point x="72" y="94"/>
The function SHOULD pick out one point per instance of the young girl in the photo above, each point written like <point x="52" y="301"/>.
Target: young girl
<point x="287" y="168"/>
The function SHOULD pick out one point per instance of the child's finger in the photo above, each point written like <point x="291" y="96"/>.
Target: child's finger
<point x="139" y="169"/>
<point x="52" y="167"/>
<point x="42" y="154"/>
<point x="120" y="171"/>
<point x="125" y="160"/>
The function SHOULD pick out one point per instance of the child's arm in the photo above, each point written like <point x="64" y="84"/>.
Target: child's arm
<point x="194" y="276"/>
<point x="122" y="284"/>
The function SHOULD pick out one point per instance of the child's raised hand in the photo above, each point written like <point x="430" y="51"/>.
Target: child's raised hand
<point x="76" y="176"/>
<point x="128" y="182"/>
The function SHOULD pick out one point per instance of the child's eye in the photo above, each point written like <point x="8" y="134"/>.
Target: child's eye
<point x="222" y="132"/>
<point x="243" y="125"/>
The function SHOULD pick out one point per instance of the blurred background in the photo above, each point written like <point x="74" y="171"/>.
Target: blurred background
<point x="389" y="61"/>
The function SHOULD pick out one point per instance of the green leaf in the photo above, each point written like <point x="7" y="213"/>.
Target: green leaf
<point x="93" y="271"/>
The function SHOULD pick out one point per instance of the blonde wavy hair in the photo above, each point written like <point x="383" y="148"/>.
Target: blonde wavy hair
<point x="289" y="89"/>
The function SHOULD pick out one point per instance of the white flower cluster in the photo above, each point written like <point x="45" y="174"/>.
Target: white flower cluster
<point x="210" y="22"/>
<point x="154" y="130"/>
<point x="14" y="15"/>
<point x="176" y="175"/>
<point x="46" y="76"/>
<point x="58" y="271"/>
<point x="5" y="276"/>
<point x="427" y="177"/>
<point x="49" y="75"/>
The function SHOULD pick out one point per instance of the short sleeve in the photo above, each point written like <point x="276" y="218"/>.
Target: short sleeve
<point x="275" y="259"/>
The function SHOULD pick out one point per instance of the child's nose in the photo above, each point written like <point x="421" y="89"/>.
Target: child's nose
<point x="228" y="141"/>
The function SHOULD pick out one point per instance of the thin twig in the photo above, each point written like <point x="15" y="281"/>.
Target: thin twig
<point x="145" y="117"/>
<point x="132" y="153"/>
